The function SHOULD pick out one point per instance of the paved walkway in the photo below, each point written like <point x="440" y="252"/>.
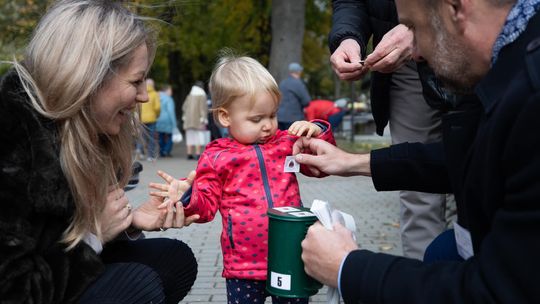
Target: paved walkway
<point x="376" y="216"/>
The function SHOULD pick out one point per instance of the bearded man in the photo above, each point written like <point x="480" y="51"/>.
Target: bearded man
<point x="491" y="162"/>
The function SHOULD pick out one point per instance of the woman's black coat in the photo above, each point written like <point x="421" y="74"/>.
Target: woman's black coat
<point x="36" y="207"/>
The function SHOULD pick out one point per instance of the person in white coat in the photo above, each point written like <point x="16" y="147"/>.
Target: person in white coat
<point x="195" y="118"/>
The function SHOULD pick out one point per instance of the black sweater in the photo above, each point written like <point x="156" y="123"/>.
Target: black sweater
<point x="360" y="20"/>
<point x="363" y="19"/>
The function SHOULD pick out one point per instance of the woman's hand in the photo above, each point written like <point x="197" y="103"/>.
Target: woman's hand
<point x="156" y="214"/>
<point x="164" y="210"/>
<point x="304" y="128"/>
<point x="116" y="216"/>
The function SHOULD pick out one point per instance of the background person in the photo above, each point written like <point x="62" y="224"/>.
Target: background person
<point x="493" y="48"/>
<point x="68" y="124"/>
<point x="195" y="118"/>
<point x="215" y="130"/>
<point x="149" y="114"/>
<point x="166" y="122"/>
<point x="396" y="98"/>
<point x="326" y="110"/>
<point x="294" y="97"/>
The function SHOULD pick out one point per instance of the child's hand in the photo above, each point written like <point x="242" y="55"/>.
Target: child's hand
<point x="304" y="128"/>
<point x="174" y="188"/>
<point x="167" y="212"/>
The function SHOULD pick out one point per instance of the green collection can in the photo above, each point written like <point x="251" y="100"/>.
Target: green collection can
<point x="287" y="227"/>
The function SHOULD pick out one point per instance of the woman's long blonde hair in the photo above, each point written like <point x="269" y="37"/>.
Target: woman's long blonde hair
<point x="77" y="46"/>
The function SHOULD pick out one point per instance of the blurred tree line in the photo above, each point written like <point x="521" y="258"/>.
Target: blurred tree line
<point x="17" y="20"/>
<point x="192" y="33"/>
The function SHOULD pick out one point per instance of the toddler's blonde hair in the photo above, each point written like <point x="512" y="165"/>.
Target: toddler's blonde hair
<point x="235" y="77"/>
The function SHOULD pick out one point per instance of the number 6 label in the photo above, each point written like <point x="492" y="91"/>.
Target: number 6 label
<point x="280" y="280"/>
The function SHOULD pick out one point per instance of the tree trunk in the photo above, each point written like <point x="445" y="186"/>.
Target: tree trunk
<point x="181" y="81"/>
<point x="288" y="19"/>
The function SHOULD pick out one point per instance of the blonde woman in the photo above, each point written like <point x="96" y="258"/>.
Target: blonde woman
<point x="68" y="234"/>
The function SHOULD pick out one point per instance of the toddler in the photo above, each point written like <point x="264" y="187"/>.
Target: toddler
<point x="242" y="176"/>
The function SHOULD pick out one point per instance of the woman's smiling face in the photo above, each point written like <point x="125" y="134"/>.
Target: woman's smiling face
<point x="119" y="96"/>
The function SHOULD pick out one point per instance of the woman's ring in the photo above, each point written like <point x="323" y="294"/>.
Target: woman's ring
<point x="161" y="229"/>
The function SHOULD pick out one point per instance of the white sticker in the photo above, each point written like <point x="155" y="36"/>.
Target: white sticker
<point x="280" y="280"/>
<point x="302" y="214"/>
<point x="463" y="241"/>
<point x="287" y="209"/>
<point x="291" y="165"/>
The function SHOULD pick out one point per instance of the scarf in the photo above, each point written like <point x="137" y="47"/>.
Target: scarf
<point x="515" y="24"/>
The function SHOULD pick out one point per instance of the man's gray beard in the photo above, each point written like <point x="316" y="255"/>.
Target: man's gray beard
<point x="451" y="64"/>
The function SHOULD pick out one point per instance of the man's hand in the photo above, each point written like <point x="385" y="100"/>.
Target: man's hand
<point x="304" y="128"/>
<point x="323" y="251"/>
<point x="346" y="61"/>
<point x="321" y="156"/>
<point x="394" y="50"/>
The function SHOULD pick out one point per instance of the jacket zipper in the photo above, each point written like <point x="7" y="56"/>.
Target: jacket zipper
<point x="229" y="230"/>
<point x="264" y="176"/>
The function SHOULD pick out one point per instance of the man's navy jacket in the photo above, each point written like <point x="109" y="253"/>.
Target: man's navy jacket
<point x="491" y="161"/>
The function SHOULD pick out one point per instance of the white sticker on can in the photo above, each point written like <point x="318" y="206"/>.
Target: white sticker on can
<point x="280" y="280"/>
<point x="287" y="209"/>
<point x="302" y="214"/>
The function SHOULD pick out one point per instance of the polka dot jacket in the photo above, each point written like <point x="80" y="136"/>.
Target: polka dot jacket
<point x="242" y="182"/>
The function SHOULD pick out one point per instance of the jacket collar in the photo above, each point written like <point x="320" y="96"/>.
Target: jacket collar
<point x="492" y="87"/>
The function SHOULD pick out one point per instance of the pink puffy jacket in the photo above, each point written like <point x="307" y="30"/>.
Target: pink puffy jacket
<point x="243" y="181"/>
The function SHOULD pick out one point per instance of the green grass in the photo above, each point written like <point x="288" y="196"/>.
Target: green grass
<point x="361" y="146"/>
